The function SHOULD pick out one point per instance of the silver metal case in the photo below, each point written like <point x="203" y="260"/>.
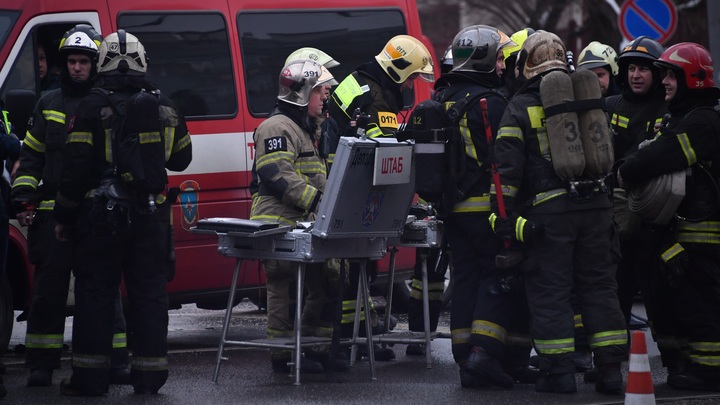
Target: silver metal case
<point x="354" y="203"/>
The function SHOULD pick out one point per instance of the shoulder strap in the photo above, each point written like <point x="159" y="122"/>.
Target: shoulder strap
<point x="460" y="107"/>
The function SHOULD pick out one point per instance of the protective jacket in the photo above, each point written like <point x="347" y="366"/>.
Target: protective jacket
<point x="292" y="175"/>
<point x="633" y="119"/>
<point x="528" y="179"/>
<point x="372" y="91"/>
<point x="41" y="154"/>
<point x="87" y="159"/>
<point x="474" y="185"/>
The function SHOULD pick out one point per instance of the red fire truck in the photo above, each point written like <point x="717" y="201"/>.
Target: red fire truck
<point x="218" y="60"/>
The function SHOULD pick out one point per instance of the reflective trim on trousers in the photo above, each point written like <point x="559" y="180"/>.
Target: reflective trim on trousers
<point x="489" y="329"/>
<point x="555" y="346"/>
<point x="460" y="336"/>
<point x="50" y="341"/>
<point x="81" y="360"/>
<point x="149" y="363"/>
<point x="608" y="338"/>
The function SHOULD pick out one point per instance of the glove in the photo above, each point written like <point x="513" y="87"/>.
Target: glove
<point x="514" y="227"/>
<point x="504" y="228"/>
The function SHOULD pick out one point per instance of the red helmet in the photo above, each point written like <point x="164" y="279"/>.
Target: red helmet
<point x="692" y="60"/>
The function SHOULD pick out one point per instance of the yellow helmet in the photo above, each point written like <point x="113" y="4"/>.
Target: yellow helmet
<point x="598" y="55"/>
<point x="542" y="51"/>
<point x="313" y="54"/>
<point x="404" y="56"/>
<point x="518" y="40"/>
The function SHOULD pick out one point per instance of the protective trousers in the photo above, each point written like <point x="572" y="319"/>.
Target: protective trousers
<point x="436" y="289"/>
<point x="46" y="320"/>
<point x="281" y="298"/>
<point x="480" y="314"/>
<point x="133" y="246"/>
<point x="349" y="301"/>
<point x="664" y="315"/>
<point x="695" y="287"/>
<point x="578" y="252"/>
<point x="697" y="298"/>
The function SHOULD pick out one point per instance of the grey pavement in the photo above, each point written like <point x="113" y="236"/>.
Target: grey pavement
<point x="247" y="379"/>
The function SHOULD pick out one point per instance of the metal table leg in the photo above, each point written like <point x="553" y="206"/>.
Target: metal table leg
<point x="426" y="307"/>
<point x="390" y="285"/>
<point x="368" y="327"/>
<point x="226" y="321"/>
<point x="298" y="321"/>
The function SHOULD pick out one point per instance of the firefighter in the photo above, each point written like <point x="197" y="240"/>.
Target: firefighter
<point x="9" y="151"/>
<point x="119" y="227"/>
<point x="603" y="61"/>
<point x="512" y="79"/>
<point x="567" y="233"/>
<point x="376" y="89"/>
<point x="33" y="196"/>
<point x="446" y="62"/>
<point x="635" y="114"/>
<point x="292" y="177"/>
<point x="481" y="320"/>
<point x="689" y="247"/>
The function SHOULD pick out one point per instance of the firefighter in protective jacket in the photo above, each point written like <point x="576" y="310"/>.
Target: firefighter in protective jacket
<point x="568" y="236"/>
<point x="487" y="326"/>
<point x="292" y="177"/>
<point x="690" y="245"/>
<point x="376" y="88"/>
<point x="33" y="196"/>
<point x="122" y="229"/>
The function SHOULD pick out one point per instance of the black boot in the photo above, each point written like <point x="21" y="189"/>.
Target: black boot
<point x="556" y="383"/>
<point x="486" y="368"/>
<point x="524" y="375"/>
<point x="40" y="378"/>
<point x="415" y="349"/>
<point x="696" y="378"/>
<point x="307" y="365"/>
<point x="583" y="360"/>
<point x="609" y="379"/>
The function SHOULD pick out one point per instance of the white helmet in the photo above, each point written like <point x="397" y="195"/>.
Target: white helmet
<point x="297" y="79"/>
<point x="82" y="38"/>
<point x="326" y="78"/>
<point x="122" y="53"/>
<point x="313" y="54"/>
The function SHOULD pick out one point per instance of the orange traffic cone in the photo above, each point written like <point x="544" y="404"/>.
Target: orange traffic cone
<point x="639" y="390"/>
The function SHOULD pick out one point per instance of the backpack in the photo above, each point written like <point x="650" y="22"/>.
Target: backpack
<point x="439" y="148"/>
<point x="137" y="140"/>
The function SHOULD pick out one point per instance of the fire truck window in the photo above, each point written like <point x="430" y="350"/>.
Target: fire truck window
<point x="268" y="37"/>
<point x="7" y="20"/>
<point x="36" y="67"/>
<point x="189" y="59"/>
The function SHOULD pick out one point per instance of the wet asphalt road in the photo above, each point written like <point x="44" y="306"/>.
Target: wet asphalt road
<point x="247" y="379"/>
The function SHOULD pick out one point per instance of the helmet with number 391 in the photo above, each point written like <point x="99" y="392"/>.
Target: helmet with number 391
<point x="297" y="80"/>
